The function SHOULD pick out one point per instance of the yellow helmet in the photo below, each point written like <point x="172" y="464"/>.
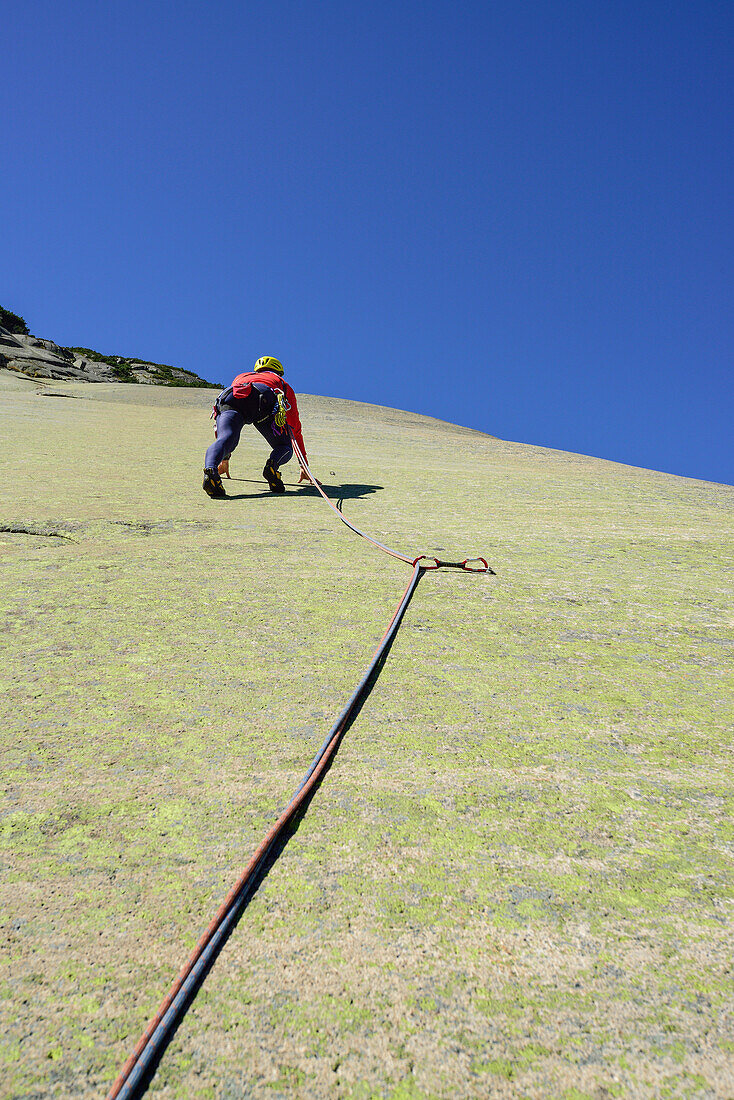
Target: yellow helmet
<point x="266" y="362"/>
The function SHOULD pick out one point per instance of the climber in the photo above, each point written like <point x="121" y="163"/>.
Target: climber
<point x="263" y="398"/>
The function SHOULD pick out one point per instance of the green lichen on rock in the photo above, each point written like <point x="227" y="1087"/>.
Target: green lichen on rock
<point x="515" y="879"/>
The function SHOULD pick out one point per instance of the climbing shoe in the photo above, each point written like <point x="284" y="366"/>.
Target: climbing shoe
<point x="213" y="484"/>
<point x="273" y="478"/>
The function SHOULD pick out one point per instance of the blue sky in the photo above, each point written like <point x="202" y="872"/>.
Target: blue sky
<point x="515" y="215"/>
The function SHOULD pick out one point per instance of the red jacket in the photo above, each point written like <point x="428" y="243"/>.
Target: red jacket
<point x="270" y="378"/>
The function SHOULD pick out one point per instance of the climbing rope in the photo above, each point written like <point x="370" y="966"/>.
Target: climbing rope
<point x="153" y="1039"/>
<point x="467" y="564"/>
<point x="159" y="1027"/>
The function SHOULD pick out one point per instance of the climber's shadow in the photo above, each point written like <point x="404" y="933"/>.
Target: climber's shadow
<point x="333" y="492"/>
<point x="341" y="492"/>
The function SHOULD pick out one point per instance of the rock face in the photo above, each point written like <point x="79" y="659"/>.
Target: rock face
<point x="36" y="358"/>
<point x="515" y="880"/>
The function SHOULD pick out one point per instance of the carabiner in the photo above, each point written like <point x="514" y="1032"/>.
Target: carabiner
<point x="424" y="557"/>
<point x="484" y="568"/>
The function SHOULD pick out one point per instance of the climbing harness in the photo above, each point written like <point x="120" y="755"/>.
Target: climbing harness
<point x="154" y="1038"/>
<point x="277" y="414"/>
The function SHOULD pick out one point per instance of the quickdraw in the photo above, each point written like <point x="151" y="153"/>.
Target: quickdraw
<point x="280" y="415"/>
<point x="466" y="564"/>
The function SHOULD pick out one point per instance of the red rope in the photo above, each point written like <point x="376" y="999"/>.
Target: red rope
<point x="132" y="1071"/>
<point x="123" y="1083"/>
